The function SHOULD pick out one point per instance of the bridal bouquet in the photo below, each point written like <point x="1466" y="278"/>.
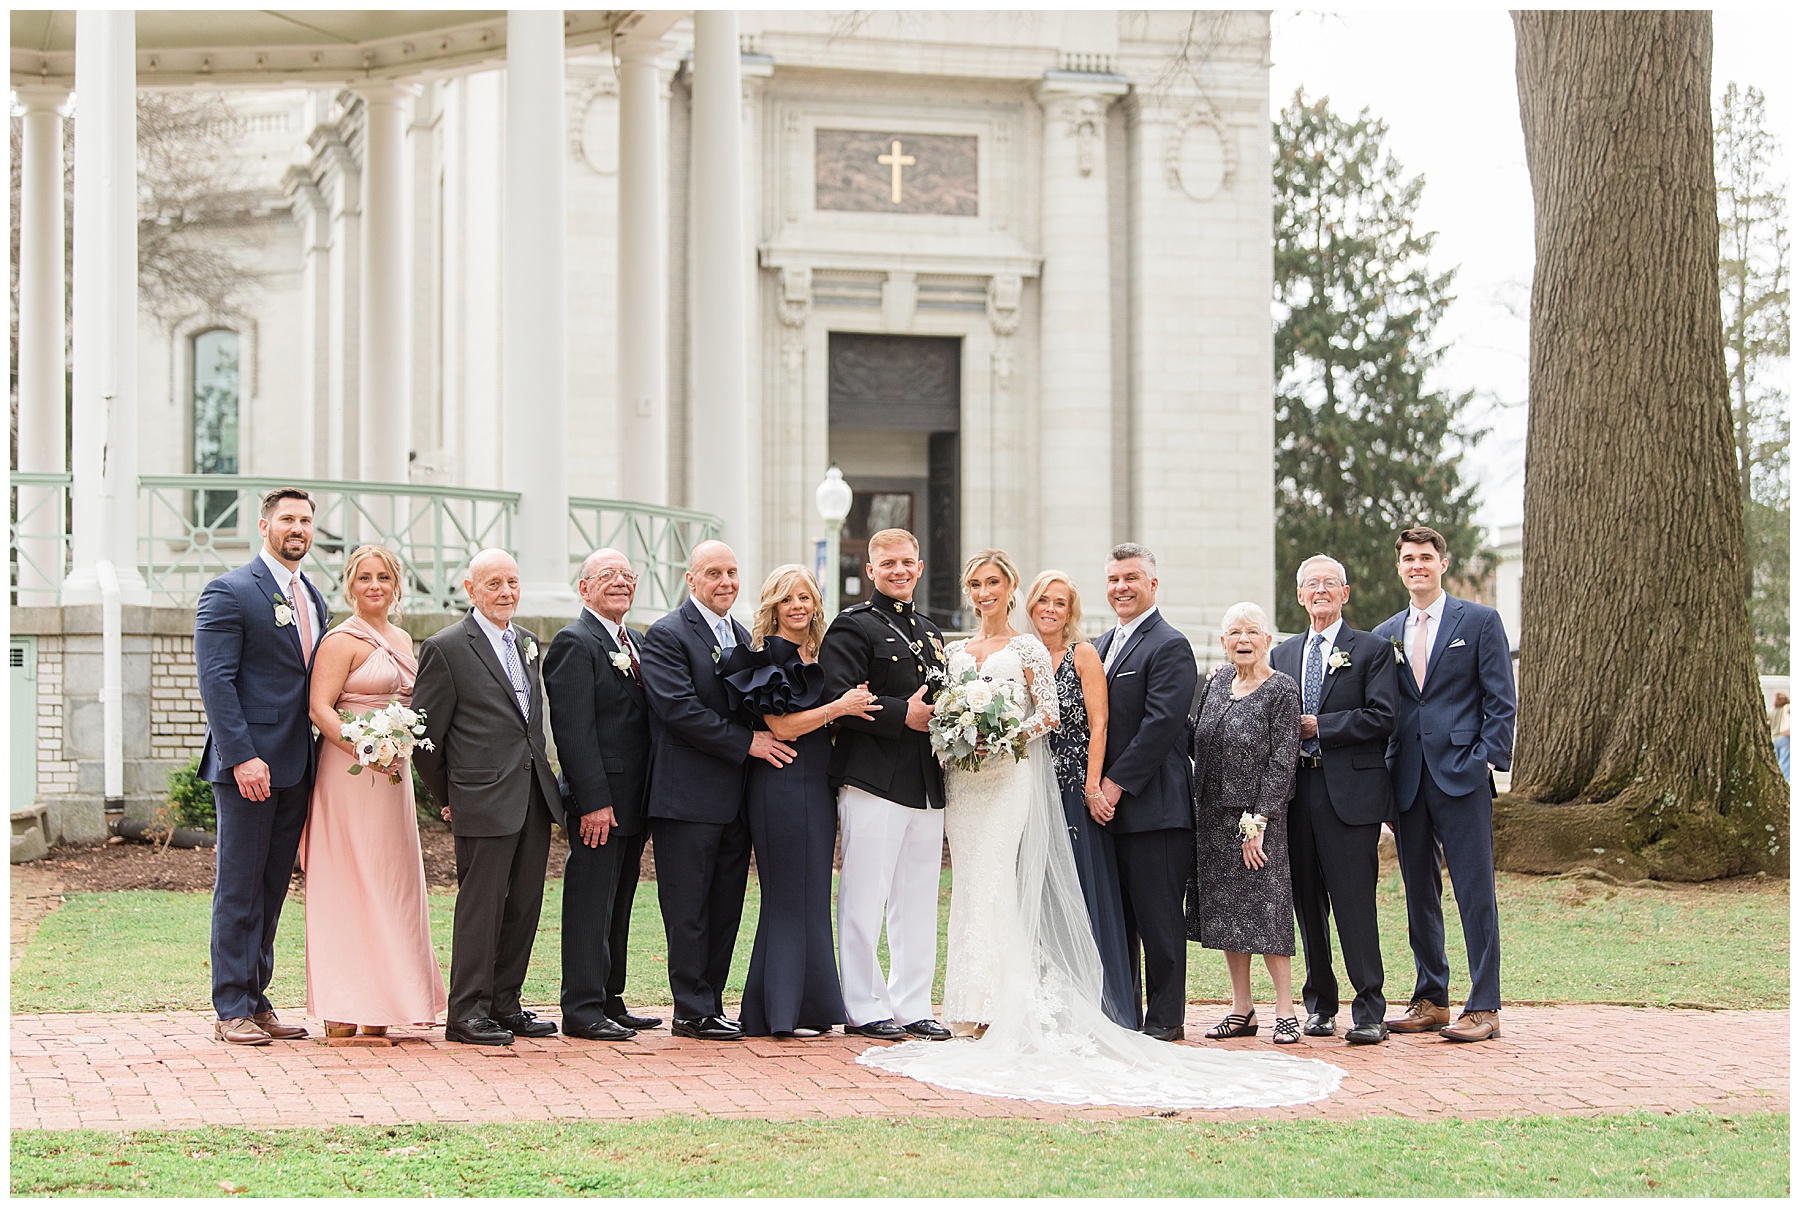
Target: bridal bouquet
<point x="384" y="736"/>
<point x="977" y="718"/>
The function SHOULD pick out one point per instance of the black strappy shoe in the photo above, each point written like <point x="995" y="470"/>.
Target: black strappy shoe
<point x="1234" y="1026"/>
<point x="1287" y="1031"/>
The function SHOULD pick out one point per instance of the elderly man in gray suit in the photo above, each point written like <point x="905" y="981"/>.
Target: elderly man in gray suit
<point x="480" y="690"/>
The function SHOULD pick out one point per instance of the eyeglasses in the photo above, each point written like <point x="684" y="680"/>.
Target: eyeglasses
<point x="614" y="572"/>
<point x="1316" y="584"/>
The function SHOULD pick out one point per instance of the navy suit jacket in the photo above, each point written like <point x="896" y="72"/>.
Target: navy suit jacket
<point x="1463" y="720"/>
<point x="698" y="749"/>
<point x="254" y="677"/>
<point x="1148" y="693"/>
<point x="601" y="722"/>
<point x="1357" y="708"/>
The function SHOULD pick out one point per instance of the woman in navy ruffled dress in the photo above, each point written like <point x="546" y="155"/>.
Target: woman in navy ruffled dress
<point x="792" y="988"/>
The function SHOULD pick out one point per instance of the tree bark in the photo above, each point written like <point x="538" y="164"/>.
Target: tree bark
<point x="1641" y="720"/>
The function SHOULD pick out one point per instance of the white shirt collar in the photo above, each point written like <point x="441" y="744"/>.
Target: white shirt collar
<point x="611" y="628"/>
<point x="1435" y="610"/>
<point x="1329" y="633"/>
<point x="708" y="613"/>
<point x="283" y="575"/>
<point x="1127" y="628"/>
<point x="494" y="632"/>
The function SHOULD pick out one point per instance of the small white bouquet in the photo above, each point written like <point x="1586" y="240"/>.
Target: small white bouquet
<point x="977" y="718"/>
<point x="383" y="737"/>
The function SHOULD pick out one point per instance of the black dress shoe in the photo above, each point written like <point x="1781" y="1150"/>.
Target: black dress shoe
<point x="1367" y="1033"/>
<point x="477" y="1031"/>
<point x="927" y="1029"/>
<point x="637" y="1023"/>
<point x="707" y="1027"/>
<point x="1320" y="1025"/>
<point x="526" y="1023"/>
<point x="601" y="1029"/>
<point x="1178" y="1032"/>
<point x="881" y="1029"/>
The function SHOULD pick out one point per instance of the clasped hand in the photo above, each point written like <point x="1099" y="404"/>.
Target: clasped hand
<point x="857" y="702"/>
<point x="1253" y="852"/>
<point x="765" y="746"/>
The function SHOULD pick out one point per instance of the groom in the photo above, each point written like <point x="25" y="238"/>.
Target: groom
<point x="891" y="792"/>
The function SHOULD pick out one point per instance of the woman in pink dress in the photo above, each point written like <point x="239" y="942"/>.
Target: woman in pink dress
<point x="369" y="958"/>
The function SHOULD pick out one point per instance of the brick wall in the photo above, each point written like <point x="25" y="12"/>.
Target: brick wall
<point x="55" y="774"/>
<point x="177" y="719"/>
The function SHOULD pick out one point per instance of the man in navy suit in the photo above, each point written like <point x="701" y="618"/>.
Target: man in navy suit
<point x="255" y="632"/>
<point x="1146" y="784"/>
<point x="1455" y="728"/>
<point x="1349" y="696"/>
<point x="696" y="802"/>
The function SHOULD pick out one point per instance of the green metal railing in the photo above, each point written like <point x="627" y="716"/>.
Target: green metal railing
<point x="192" y="527"/>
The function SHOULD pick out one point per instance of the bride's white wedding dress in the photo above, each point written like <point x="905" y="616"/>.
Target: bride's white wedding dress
<point x="1022" y="956"/>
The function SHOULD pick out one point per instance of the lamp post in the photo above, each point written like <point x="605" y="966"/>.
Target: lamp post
<point x="833" y="499"/>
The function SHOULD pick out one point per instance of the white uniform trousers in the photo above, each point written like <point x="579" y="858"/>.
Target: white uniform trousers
<point x="892" y="857"/>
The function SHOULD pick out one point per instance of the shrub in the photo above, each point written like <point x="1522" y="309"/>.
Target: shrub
<point x="191" y="798"/>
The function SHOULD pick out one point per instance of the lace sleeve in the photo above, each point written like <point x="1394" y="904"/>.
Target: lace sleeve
<point x="1045" y="714"/>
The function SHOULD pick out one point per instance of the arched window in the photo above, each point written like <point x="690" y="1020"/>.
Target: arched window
<point x="215" y="417"/>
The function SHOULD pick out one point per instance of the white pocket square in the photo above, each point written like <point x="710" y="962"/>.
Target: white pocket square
<point x="1123" y="674"/>
<point x="1455" y="644"/>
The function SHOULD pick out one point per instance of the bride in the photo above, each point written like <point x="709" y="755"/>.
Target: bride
<point x="1022" y="986"/>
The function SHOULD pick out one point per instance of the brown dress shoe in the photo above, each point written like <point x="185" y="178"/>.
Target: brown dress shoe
<point x="278" y="1030"/>
<point x="239" y="1031"/>
<point x="1423" y="1016"/>
<point x="1474" y="1025"/>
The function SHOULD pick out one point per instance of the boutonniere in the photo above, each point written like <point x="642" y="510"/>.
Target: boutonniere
<point x="530" y="651"/>
<point x="284" y="612"/>
<point x="1338" y="659"/>
<point x="1399" y="652"/>
<point x="715" y="653"/>
<point x="621" y="662"/>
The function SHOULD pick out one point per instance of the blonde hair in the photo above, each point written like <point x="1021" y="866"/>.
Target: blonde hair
<point x="779" y="586"/>
<point x="389" y="560"/>
<point x="892" y="536"/>
<point x="1000" y="561"/>
<point x="1040" y="587"/>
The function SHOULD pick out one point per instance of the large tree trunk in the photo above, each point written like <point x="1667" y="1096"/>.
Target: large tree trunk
<point x="1641" y="724"/>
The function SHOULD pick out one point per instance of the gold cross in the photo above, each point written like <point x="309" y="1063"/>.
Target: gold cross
<point x="897" y="161"/>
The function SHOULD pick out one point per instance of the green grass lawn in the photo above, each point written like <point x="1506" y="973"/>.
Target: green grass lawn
<point x="1638" y="1154"/>
<point x="1560" y="942"/>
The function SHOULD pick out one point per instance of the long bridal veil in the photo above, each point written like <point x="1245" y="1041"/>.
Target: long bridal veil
<point x="1051" y="1041"/>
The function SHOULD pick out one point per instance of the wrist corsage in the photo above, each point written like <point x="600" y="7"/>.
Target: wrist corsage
<point x="1251" y="825"/>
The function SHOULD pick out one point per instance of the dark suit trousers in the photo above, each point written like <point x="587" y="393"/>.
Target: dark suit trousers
<point x="499" y="893"/>
<point x="598" y="886"/>
<point x="1335" y="867"/>
<point x="1154" y="867"/>
<point x="257" y="843"/>
<point x="701" y="870"/>
<point x="1464" y="826"/>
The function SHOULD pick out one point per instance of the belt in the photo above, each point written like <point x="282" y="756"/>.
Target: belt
<point x="1312" y="761"/>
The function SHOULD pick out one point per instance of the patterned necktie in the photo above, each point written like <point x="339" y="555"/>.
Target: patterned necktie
<point x="302" y="606"/>
<point x="1421" y="649"/>
<point x="515" y="673"/>
<point x="1315" y="682"/>
<point x="723" y="628"/>
<point x="631" y="650"/>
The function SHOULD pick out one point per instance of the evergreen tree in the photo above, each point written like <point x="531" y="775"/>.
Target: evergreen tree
<point x="1362" y="447"/>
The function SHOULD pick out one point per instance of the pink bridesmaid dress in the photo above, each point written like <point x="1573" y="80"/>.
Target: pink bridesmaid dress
<point x="369" y="958"/>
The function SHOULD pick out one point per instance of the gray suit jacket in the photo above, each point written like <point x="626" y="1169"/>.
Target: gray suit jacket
<point x="485" y="753"/>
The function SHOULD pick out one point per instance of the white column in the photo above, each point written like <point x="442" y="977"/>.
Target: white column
<point x="718" y="429"/>
<point x="383" y="390"/>
<point x="1076" y="374"/>
<point x="534" y="373"/>
<point x="43" y="389"/>
<point x="643" y="400"/>
<point x="104" y="464"/>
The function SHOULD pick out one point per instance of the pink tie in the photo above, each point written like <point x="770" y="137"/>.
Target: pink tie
<point x="1421" y="649"/>
<point x="302" y="612"/>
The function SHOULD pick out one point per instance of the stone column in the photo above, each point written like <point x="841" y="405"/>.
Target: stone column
<point x="383" y="390"/>
<point x="1076" y="367"/>
<point x="43" y="389"/>
<point x="718" y="428"/>
<point x="534" y="370"/>
<point x="643" y="392"/>
<point x="104" y="462"/>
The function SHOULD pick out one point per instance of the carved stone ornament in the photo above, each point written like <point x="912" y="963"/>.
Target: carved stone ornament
<point x="1004" y="292"/>
<point x="796" y="295"/>
<point x="1085" y="124"/>
<point x="1183" y="164"/>
<point x="594" y="126"/>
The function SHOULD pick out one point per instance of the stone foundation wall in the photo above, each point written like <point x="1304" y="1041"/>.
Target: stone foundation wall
<point x="55" y="772"/>
<point x="177" y="718"/>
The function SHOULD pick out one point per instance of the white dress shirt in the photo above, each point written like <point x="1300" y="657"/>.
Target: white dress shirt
<point x="1329" y="633"/>
<point x="726" y="637"/>
<point x="1122" y="636"/>
<point x="284" y="583"/>
<point x="1410" y="627"/>
<point x="611" y="628"/>
<point x="498" y="641"/>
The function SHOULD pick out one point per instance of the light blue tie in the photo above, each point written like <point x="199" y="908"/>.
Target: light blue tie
<point x="1315" y="682"/>
<point x="723" y="627"/>
<point x="515" y="673"/>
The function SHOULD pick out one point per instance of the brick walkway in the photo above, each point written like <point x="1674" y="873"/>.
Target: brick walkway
<point x="115" y="1071"/>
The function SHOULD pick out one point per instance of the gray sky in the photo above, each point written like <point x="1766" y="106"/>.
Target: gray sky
<point x="1443" y="81"/>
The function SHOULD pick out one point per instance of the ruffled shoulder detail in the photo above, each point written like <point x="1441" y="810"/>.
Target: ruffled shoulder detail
<point x="774" y="679"/>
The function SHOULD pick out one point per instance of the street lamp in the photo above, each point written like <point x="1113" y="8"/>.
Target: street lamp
<point x="833" y="499"/>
